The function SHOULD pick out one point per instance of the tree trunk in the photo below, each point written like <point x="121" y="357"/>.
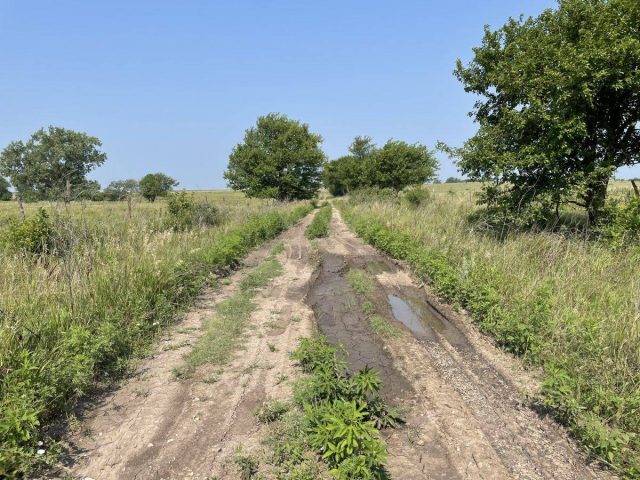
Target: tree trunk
<point x="635" y="188"/>
<point x="67" y="195"/>
<point x="20" y="206"/>
<point x="595" y="197"/>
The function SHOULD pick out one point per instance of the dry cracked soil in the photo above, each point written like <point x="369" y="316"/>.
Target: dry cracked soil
<point x="464" y="401"/>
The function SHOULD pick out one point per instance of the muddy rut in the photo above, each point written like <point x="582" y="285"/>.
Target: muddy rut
<point x="463" y="400"/>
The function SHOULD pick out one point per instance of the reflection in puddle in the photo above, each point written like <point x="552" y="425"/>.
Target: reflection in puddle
<point x="423" y="320"/>
<point x="403" y="312"/>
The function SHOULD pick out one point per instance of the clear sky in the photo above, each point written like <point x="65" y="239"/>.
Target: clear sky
<point x="171" y="85"/>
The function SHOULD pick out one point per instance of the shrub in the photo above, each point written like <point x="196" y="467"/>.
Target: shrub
<point x="416" y="195"/>
<point x="33" y="235"/>
<point x="343" y="412"/>
<point x="185" y="213"/>
<point x="621" y="223"/>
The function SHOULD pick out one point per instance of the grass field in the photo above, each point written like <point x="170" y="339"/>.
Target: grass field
<point x="71" y="320"/>
<point x="563" y="303"/>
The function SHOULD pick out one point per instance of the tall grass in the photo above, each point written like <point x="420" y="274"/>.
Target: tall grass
<point x="74" y="318"/>
<point x="563" y="303"/>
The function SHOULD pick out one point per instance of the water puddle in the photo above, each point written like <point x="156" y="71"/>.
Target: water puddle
<point x="423" y="320"/>
<point x="376" y="267"/>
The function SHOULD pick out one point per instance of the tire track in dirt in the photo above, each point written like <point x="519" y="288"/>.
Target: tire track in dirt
<point x="467" y="414"/>
<point x="156" y="427"/>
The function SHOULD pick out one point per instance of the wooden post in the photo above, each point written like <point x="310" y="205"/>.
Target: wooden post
<point x="635" y="188"/>
<point x="129" y="205"/>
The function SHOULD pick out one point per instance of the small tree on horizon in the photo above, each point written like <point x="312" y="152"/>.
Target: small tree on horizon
<point x="121" y="189"/>
<point x="154" y="185"/>
<point x="278" y="158"/>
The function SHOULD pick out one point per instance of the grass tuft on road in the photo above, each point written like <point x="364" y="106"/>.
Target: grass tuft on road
<point x="319" y="226"/>
<point x="224" y="331"/>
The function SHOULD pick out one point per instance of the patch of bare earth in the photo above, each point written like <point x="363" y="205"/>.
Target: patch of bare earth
<point x="157" y="427"/>
<point x="465" y="401"/>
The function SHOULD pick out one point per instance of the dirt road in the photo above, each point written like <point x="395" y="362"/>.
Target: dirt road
<point x="464" y="401"/>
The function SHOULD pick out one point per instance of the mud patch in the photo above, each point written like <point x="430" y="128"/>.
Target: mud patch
<point x="341" y="320"/>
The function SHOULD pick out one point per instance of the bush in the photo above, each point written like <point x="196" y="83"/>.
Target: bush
<point x="185" y="213"/>
<point x="620" y="224"/>
<point x="342" y="412"/>
<point x="416" y="195"/>
<point x="34" y="235"/>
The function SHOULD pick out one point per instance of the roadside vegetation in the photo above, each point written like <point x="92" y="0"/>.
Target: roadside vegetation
<point x="319" y="226"/>
<point x="335" y="416"/>
<point x="84" y="288"/>
<point x="563" y="302"/>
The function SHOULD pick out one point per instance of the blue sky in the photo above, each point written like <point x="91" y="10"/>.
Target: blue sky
<point x="172" y="85"/>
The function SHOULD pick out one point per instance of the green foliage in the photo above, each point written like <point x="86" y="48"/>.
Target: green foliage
<point x="620" y="223"/>
<point x="184" y="213"/>
<point x="154" y="185"/>
<point x="343" y="175"/>
<point x="416" y="195"/>
<point x="319" y="226"/>
<point x="247" y="465"/>
<point x="279" y="158"/>
<point x="272" y="411"/>
<point x="50" y="162"/>
<point x="587" y="386"/>
<point x="398" y="164"/>
<point x="54" y="350"/>
<point x="558" y="111"/>
<point x="342" y="412"/>
<point x="5" y="193"/>
<point x="394" y="166"/>
<point x="33" y="235"/>
<point x="121" y="189"/>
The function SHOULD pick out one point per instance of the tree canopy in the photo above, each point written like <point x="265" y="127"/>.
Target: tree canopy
<point x="154" y="185"/>
<point x="50" y="163"/>
<point x="396" y="165"/>
<point x="5" y="193"/>
<point x="279" y="158"/>
<point x="559" y="107"/>
<point x="121" y="189"/>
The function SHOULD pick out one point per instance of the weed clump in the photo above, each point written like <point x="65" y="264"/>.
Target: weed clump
<point x="184" y="213"/>
<point x="341" y="412"/>
<point x="33" y="235"/>
<point x="416" y="195"/>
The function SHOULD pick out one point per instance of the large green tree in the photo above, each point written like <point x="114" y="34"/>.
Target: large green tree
<point x="121" y="189"/>
<point x="51" y="162"/>
<point x="559" y="105"/>
<point x="399" y="164"/>
<point x="279" y="158"/>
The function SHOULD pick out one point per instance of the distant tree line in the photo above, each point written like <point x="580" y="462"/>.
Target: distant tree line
<point x="53" y="164"/>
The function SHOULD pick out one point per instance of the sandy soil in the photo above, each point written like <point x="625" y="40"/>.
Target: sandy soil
<point x="465" y="402"/>
<point x="157" y="427"/>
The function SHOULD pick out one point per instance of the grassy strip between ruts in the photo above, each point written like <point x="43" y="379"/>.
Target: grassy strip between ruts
<point x="334" y="415"/>
<point x="223" y="331"/>
<point x="40" y="382"/>
<point x="319" y="226"/>
<point x="521" y="325"/>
